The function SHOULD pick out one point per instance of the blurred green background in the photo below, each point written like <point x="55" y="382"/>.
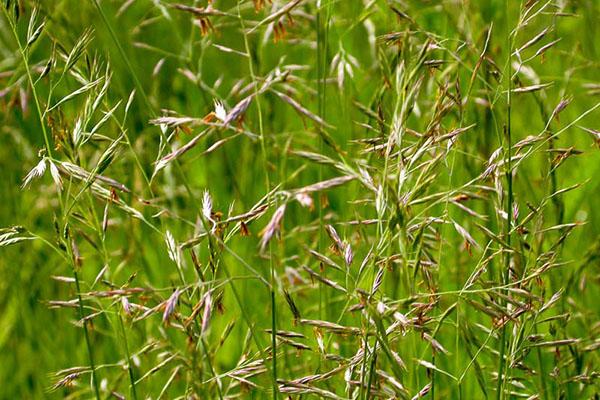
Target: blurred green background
<point x="181" y="70"/>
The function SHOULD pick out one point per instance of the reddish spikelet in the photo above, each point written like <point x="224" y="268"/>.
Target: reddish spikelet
<point x="126" y="305"/>
<point x="207" y="312"/>
<point x="339" y="245"/>
<point x="348" y="254"/>
<point x="272" y="227"/>
<point x="67" y="381"/>
<point x="170" y="305"/>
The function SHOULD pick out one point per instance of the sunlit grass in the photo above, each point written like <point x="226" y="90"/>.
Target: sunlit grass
<point x="305" y="198"/>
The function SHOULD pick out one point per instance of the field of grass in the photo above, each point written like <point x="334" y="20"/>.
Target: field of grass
<point x="353" y="199"/>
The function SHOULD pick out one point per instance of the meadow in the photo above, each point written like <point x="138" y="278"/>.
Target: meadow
<point x="339" y="199"/>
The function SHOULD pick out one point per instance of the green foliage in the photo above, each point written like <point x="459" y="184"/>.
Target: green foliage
<point x="320" y="199"/>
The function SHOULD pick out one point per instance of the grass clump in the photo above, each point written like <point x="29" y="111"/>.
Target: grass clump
<point x="305" y="199"/>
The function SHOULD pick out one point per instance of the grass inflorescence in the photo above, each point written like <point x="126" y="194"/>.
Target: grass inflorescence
<point x="299" y="199"/>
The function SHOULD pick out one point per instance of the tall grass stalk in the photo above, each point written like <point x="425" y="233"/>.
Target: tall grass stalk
<point x="298" y="198"/>
<point x="509" y="196"/>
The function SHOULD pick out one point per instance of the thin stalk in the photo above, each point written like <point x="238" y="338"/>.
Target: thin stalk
<point x="268" y="187"/>
<point x="86" y="334"/>
<point x="49" y="151"/>
<point x="210" y="366"/>
<point x="509" y="201"/>
<point x="105" y="257"/>
<point x="371" y="373"/>
<point x="82" y="314"/>
<point x="31" y="83"/>
<point x="129" y="368"/>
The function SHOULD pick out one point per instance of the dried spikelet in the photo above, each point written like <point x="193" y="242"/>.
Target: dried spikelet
<point x="67" y="381"/>
<point x="366" y="179"/>
<point x="180" y="151"/>
<point x="298" y="388"/>
<point x="423" y="392"/>
<point x="170" y="305"/>
<point x="100" y="275"/>
<point x="36" y="172"/>
<point x="555" y="297"/>
<point x="534" y="40"/>
<point x="304" y="199"/>
<point x="319" y="186"/>
<point x="380" y="202"/>
<point x="348" y="255"/>
<point x="220" y="112"/>
<point x="393" y="381"/>
<point x="256" y="211"/>
<point x="204" y="24"/>
<point x="207" y="205"/>
<point x="593" y="89"/>
<point x="174" y="122"/>
<point x="528" y="141"/>
<point x="285" y="10"/>
<point x="532" y="88"/>
<point x="126" y="305"/>
<point x="202" y="15"/>
<point x="453" y="134"/>
<point x="244" y="231"/>
<point x="172" y="248"/>
<point x="77" y="260"/>
<point x="294" y="277"/>
<point x="65" y="279"/>
<point x="237" y="112"/>
<point x="555" y="343"/>
<point x="83" y="175"/>
<point x="287" y="334"/>
<point x="434" y="343"/>
<point x="195" y="311"/>
<point x="207" y="300"/>
<point x="292" y="305"/>
<point x="491" y="163"/>
<point x="302" y="110"/>
<point x="200" y="11"/>
<point x="401" y="318"/>
<point x="339" y="245"/>
<point x="55" y="175"/>
<point x="117" y="395"/>
<point x="469" y="241"/>
<point x="319" y="377"/>
<point x="332" y="327"/>
<point x="105" y="217"/>
<point x="381" y="308"/>
<point x="66" y="304"/>
<point x="326" y="281"/>
<point x="148" y="311"/>
<point x="377" y="281"/>
<point x="564" y="103"/>
<point x="544" y="48"/>
<point x="13" y="235"/>
<point x="258" y="4"/>
<point x="324" y="260"/>
<point x="279" y="31"/>
<point x="116" y="292"/>
<point x="294" y="344"/>
<point x="273" y="227"/>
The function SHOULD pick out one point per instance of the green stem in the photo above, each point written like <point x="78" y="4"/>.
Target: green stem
<point x="509" y="203"/>
<point x="31" y="83"/>
<point x="129" y="368"/>
<point x="268" y="186"/>
<point x="87" y="336"/>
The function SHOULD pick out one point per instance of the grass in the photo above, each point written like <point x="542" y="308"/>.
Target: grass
<point x="305" y="198"/>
